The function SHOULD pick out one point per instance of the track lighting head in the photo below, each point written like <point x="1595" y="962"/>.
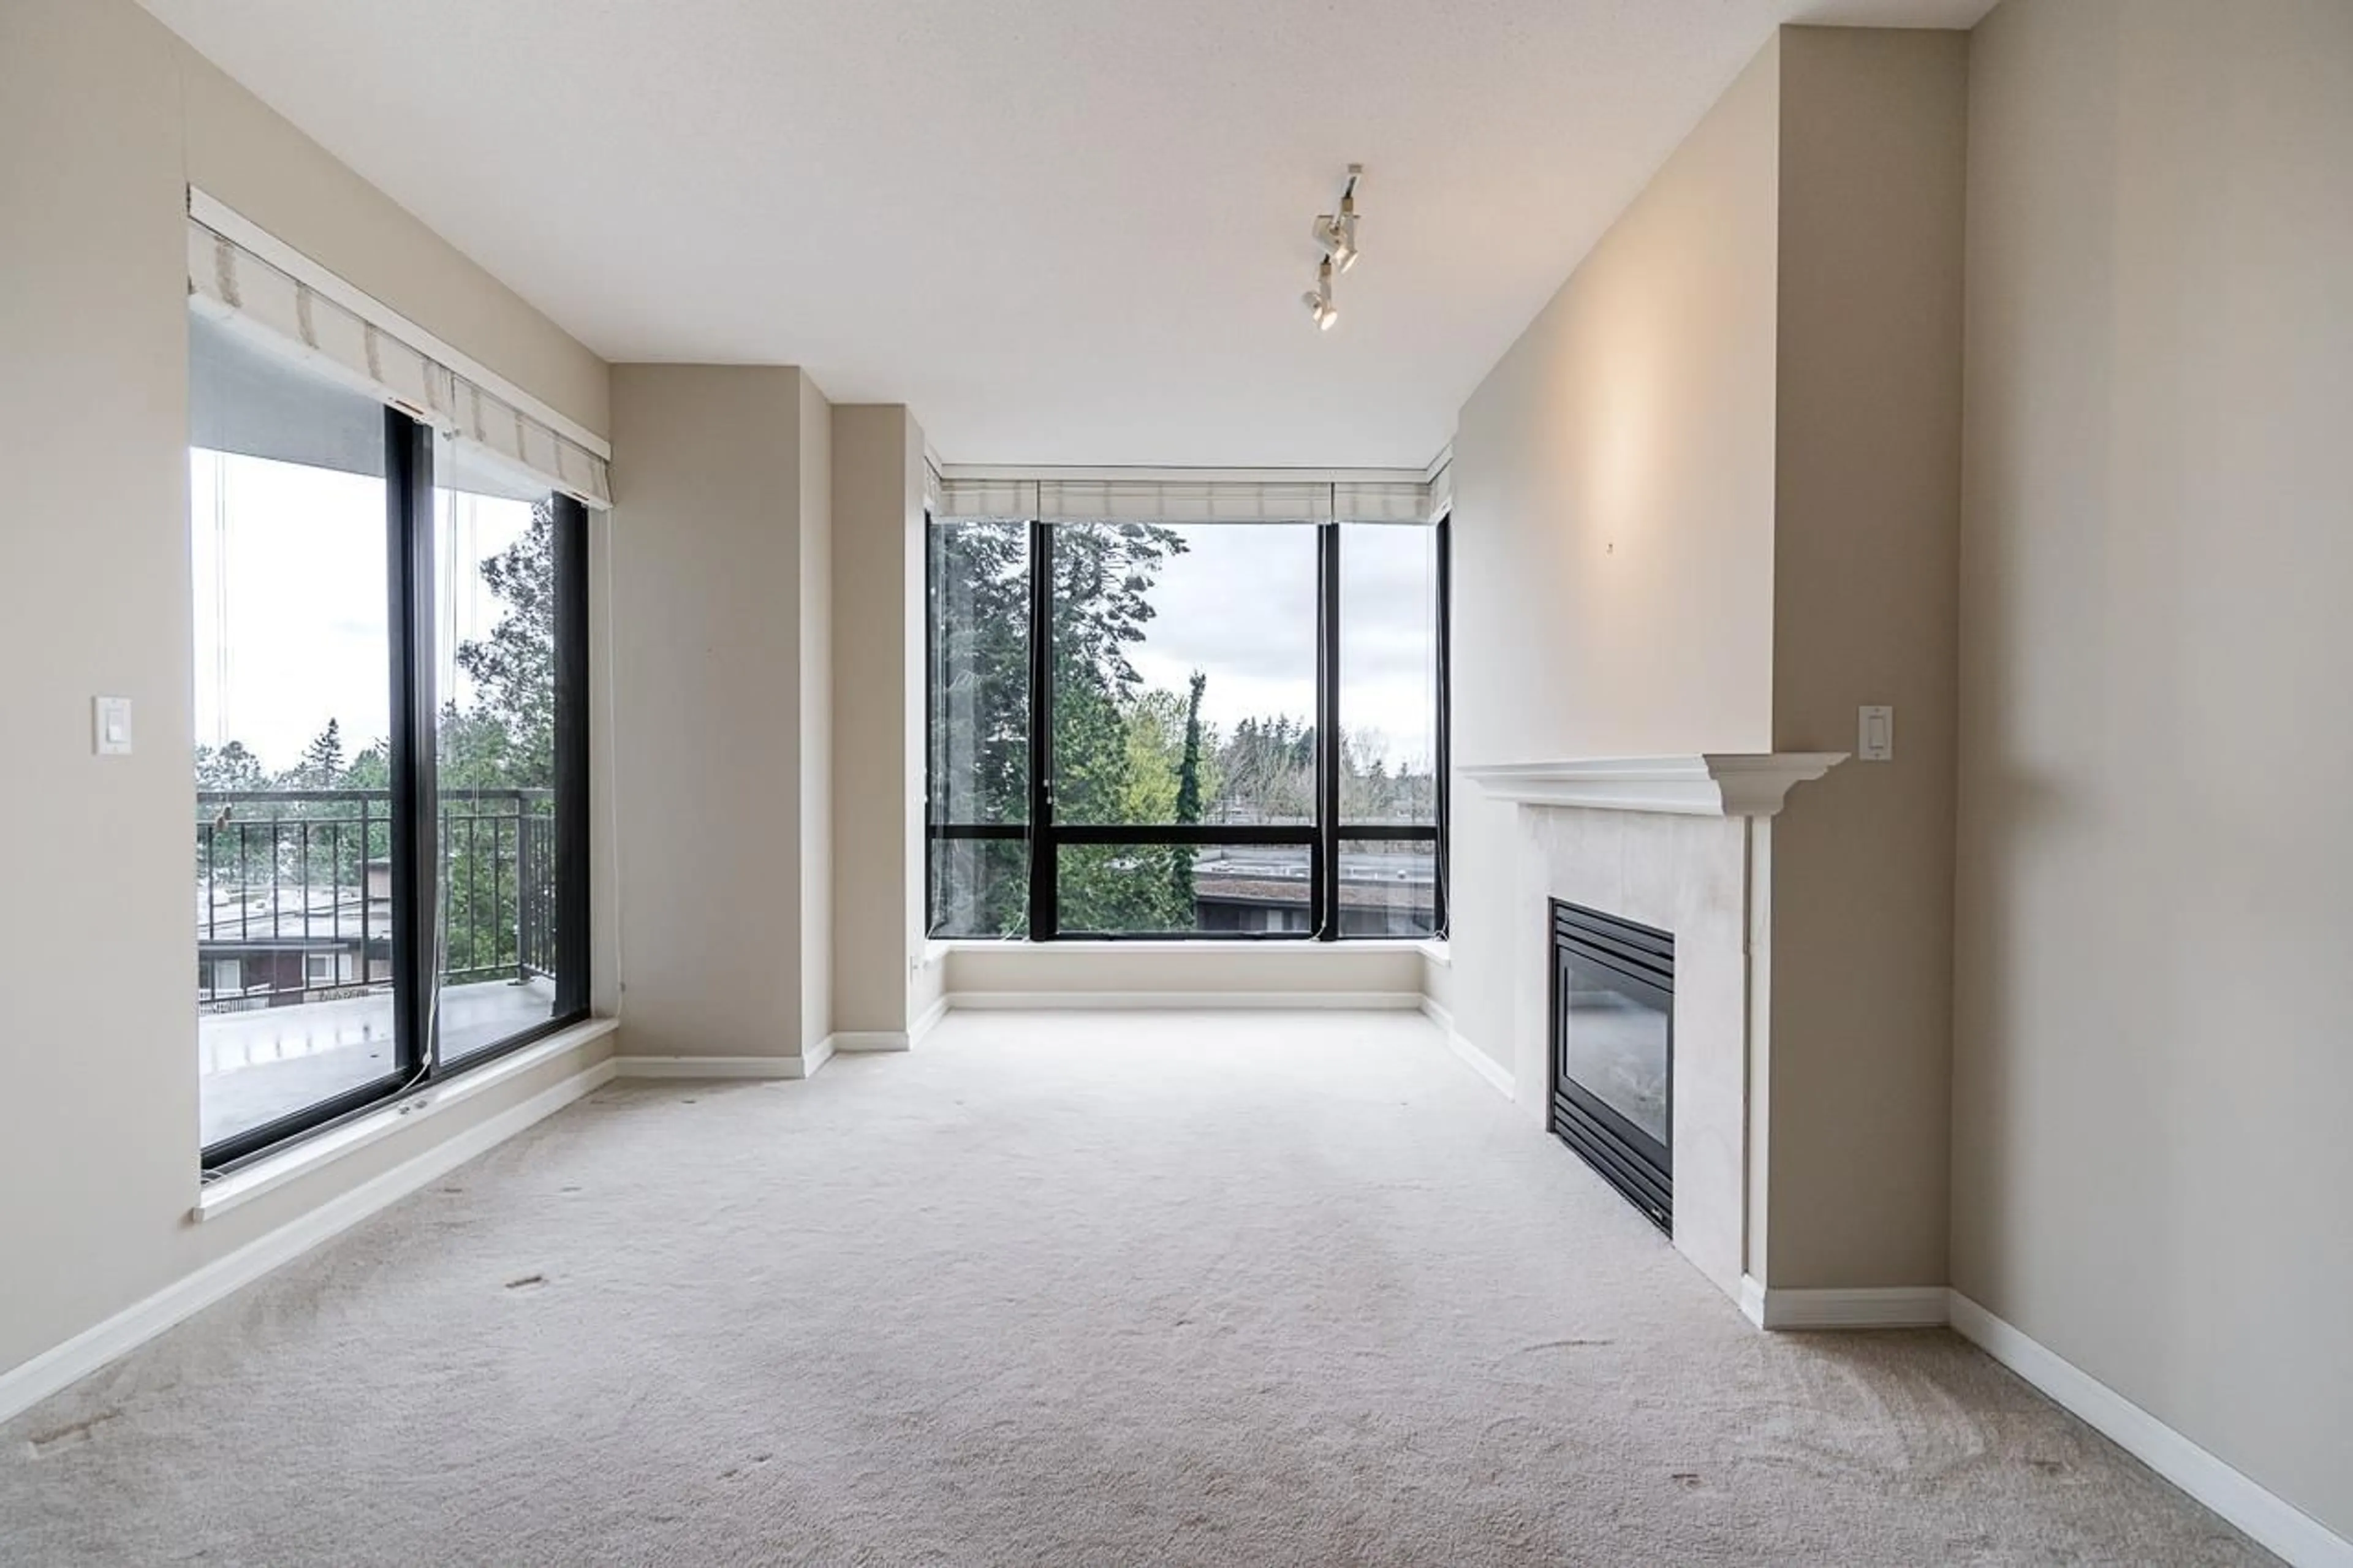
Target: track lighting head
<point x="1335" y="233"/>
<point x="1318" y="300"/>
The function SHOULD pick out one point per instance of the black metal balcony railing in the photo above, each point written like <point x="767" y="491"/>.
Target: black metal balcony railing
<point x="294" y="891"/>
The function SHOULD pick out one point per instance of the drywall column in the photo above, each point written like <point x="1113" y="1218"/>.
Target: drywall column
<point x="1867" y="434"/>
<point x="817" y="714"/>
<point x="2151" y="1067"/>
<point x="712" y="525"/>
<point x="878" y="708"/>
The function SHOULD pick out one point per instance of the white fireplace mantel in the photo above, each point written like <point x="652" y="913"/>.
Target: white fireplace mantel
<point x="1704" y="784"/>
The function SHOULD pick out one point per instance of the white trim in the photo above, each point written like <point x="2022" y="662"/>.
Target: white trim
<point x="1702" y="783"/>
<point x="216" y="1197"/>
<point x="26" y="1386"/>
<point x="230" y="224"/>
<point x="1182" y="1001"/>
<point x="2262" y="1513"/>
<point x="719" y="1067"/>
<point x="1496" y="1076"/>
<point x="926" y="1021"/>
<point x="1018" y="473"/>
<point x="1874" y="1307"/>
<point x="859" y="1042"/>
<point x="1436" y="949"/>
<point x="818" y="1055"/>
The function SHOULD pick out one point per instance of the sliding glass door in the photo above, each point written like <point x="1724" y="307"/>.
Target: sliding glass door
<point x="297" y="936"/>
<point x="390" y="750"/>
<point x="506" y="710"/>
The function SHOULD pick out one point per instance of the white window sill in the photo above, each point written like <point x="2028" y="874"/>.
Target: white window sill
<point x="272" y="1171"/>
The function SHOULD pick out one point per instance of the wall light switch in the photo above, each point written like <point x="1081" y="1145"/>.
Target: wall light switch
<point x="109" y="726"/>
<point x="1875" y="735"/>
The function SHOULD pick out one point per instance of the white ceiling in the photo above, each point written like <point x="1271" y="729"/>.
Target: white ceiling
<point x="1063" y="231"/>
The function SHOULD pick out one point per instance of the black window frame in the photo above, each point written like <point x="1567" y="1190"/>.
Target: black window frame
<point x="415" y="805"/>
<point x="1322" y="839"/>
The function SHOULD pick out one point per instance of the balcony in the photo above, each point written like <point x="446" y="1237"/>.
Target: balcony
<point x="294" y="940"/>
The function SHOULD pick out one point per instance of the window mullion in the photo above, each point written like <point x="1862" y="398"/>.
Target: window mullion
<point x="408" y="491"/>
<point x="1442" y="762"/>
<point x="1044" y="898"/>
<point x="1326" y="894"/>
<point x="570" y="804"/>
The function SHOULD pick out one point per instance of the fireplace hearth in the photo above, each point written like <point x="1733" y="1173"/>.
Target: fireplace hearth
<point x="1613" y="987"/>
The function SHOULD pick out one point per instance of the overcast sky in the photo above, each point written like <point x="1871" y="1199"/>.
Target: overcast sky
<point x="1240" y="607"/>
<point x="291" y="560"/>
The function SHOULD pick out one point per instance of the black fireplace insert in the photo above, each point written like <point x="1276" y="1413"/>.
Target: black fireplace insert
<point x="1614" y="1029"/>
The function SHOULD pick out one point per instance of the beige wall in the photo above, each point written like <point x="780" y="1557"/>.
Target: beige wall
<point x="816" y="675"/>
<point x="2152" y="1068"/>
<point x="711" y="518"/>
<point x="103" y="117"/>
<point x="1867" y="430"/>
<point x="1613" y="516"/>
<point x="877" y="629"/>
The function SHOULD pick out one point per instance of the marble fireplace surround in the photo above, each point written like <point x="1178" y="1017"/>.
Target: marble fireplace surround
<point x="1682" y="843"/>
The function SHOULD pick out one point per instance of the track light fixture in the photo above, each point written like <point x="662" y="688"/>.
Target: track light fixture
<point x="1318" y="300"/>
<point x="1337" y="234"/>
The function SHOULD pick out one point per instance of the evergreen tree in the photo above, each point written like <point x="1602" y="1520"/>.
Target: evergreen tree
<point x="322" y="766"/>
<point x="513" y="668"/>
<point x="1189" y="799"/>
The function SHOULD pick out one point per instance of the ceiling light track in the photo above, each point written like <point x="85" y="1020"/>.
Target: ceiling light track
<point x="1335" y="233"/>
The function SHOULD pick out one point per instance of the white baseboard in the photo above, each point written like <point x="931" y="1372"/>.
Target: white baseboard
<point x="928" y="1021"/>
<point x="1497" y="1076"/>
<point x="856" y="1041"/>
<point x="719" y="1066"/>
<point x="23" y="1386"/>
<point x="2270" y="1519"/>
<point x="1883" y="1307"/>
<point x="1182" y="1001"/>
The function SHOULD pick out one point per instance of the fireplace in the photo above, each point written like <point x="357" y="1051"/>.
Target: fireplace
<point x="1613" y="1003"/>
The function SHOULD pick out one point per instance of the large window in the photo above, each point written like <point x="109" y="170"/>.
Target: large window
<point x="1156" y="730"/>
<point x="390" y="831"/>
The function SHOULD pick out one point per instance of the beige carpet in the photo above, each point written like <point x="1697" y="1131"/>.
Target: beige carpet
<point x="1071" y="1290"/>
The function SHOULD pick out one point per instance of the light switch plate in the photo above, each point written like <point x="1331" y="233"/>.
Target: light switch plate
<point x="109" y="726"/>
<point x="1874" y="740"/>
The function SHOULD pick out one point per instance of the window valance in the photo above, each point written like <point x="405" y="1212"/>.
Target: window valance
<point x="272" y="309"/>
<point x="1177" y="499"/>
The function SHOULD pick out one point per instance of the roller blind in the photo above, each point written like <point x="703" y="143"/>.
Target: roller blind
<point x="275" y="312"/>
<point x="986" y="498"/>
<point x="1177" y="499"/>
<point x="1402" y="502"/>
